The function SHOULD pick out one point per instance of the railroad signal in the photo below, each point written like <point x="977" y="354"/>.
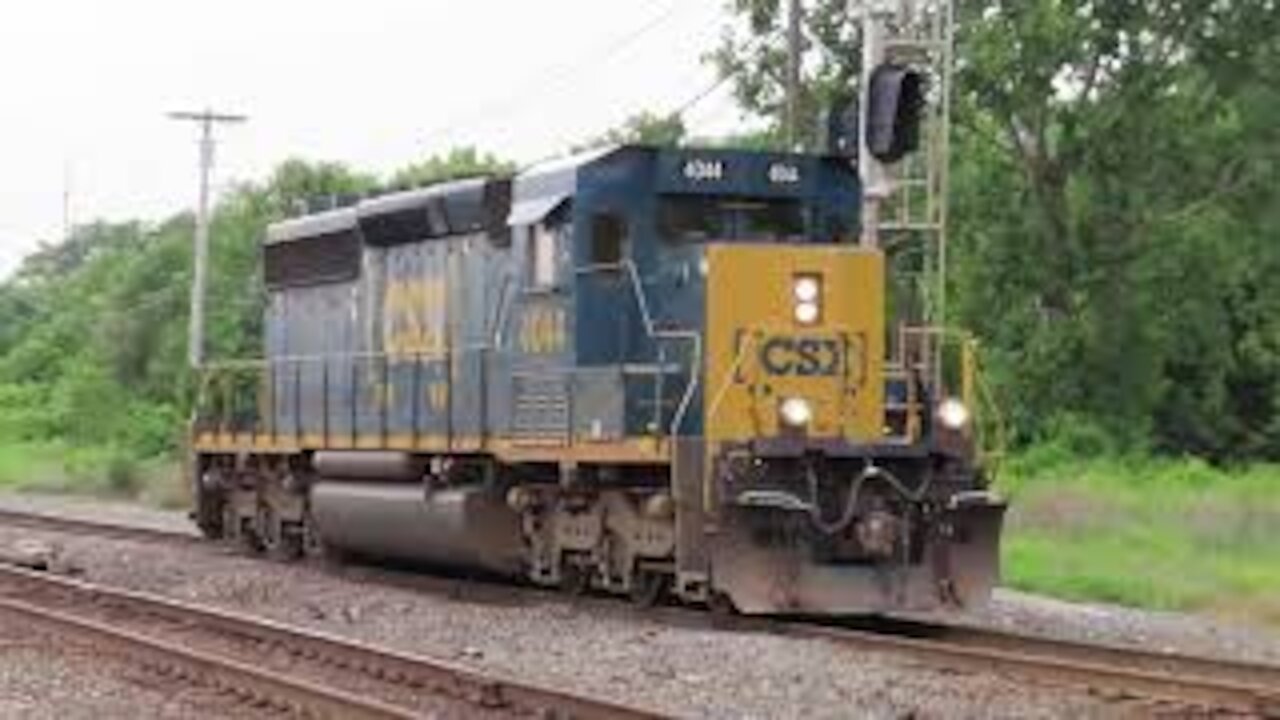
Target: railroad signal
<point x="896" y="103"/>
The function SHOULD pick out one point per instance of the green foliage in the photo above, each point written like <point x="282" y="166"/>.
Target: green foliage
<point x="458" y="164"/>
<point x="645" y="128"/>
<point x="56" y="467"/>
<point x="753" y="52"/>
<point x="1114" y="187"/>
<point x="93" y="330"/>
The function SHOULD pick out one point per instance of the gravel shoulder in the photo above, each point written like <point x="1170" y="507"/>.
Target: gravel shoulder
<point x="620" y="654"/>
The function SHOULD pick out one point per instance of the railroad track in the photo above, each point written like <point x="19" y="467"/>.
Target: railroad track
<point x="93" y="528"/>
<point x="1203" y="685"/>
<point x="274" y="668"/>
<point x="1123" y="673"/>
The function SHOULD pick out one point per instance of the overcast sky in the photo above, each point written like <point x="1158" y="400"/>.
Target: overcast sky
<point x="375" y="83"/>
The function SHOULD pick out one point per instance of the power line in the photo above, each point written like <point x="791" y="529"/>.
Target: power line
<point x="702" y="95"/>
<point x="720" y="82"/>
<point x="559" y="76"/>
<point x="698" y="98"/>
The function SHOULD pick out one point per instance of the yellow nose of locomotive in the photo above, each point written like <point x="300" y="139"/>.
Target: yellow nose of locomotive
<point x="795" y="342"/>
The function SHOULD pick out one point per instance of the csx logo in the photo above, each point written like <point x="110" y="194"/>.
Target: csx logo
<point x="802" y="356"/>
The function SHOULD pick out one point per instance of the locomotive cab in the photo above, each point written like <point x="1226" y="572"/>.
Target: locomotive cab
<point x="818" y="476"/>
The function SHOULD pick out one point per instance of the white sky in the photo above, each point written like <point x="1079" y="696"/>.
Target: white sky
<point x="375" y="83"/>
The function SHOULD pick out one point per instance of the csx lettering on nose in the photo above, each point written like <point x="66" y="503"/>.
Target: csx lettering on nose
<point x="801" y="357"/>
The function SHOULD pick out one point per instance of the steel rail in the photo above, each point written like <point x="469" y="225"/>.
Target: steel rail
<point x="1235" y="671"/>
<point x="206" y="670"/>
<point x="433" y="677"/>
<point x="1244" y="687"/>
<point x="36" y="520"/>
<point x="1216" y="684"/>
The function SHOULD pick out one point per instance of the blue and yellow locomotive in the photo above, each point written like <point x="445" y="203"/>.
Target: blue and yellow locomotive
<point x="654" y="372"/>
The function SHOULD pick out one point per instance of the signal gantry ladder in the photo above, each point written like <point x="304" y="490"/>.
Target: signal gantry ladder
<point x="907" y="84"/>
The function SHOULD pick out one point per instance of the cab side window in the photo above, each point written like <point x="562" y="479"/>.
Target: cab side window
<point x="608" y="239"/>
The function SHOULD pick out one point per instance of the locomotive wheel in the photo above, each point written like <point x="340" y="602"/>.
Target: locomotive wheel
<point x="281" y="540"/>
<point x="721" y="605"/>
<point x="649" y="588"/>
<point x="313" y="544"/>
<point x="230" y="524"/>
<point x="574" y="579"/>
<point x="239" y="534"/>
<point x="211" y="522"/>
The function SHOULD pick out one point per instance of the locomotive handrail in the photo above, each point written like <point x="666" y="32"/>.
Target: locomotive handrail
<point x="929" y="364"/>
<point x="734" y="369"/>
<point x="504" y="308"/>
<point x="655" y="333"/>
<point x="214" y="375"/>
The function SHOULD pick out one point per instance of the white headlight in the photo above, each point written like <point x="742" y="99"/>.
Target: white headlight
<point x="953" y="414"/>
<point x="807" y="313"/>
<point x="807" y="289"/>
<point x="796" y="412"/>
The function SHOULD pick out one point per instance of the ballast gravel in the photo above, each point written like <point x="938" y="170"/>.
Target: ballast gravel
<point x="45" y="675"/>
<point x="686" y="670"/>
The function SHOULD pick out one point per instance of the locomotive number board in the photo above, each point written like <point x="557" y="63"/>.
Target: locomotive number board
<point x="727" y="173"/>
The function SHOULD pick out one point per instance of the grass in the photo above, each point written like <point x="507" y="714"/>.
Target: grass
<point x="1153" y="533"/>
<point x="54" y="467"/>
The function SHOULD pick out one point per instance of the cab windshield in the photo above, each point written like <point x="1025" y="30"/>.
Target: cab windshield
<point x="699" y="219"/>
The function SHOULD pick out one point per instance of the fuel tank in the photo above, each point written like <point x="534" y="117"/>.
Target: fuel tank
<point x="455" y="527"/>
<point x="370" y="465"/>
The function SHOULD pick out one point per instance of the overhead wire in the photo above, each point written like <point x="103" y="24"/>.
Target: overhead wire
<point x="556" y="77"/>
<point x="682" y="109"/>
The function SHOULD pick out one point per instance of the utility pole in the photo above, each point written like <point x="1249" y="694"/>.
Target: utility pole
<point x="67" y="222"/>
<point x="200" y="273"/>
<point x="794" y="58"/>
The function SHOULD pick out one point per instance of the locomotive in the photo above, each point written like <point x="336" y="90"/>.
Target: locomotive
<point x="663" y="373"/>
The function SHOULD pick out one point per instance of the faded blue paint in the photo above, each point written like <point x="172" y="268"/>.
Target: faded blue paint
<point x="603" y="379"/>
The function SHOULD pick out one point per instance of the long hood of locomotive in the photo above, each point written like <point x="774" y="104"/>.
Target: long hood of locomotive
<point x="771" y="362"/>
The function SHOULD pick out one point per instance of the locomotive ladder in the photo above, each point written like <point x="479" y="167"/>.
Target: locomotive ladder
<point x="905" y="206"/>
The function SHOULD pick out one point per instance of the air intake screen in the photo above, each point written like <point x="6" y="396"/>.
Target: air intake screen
<point x="320" y="260"/>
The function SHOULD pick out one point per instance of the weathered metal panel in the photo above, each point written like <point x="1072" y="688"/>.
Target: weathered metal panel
<point x="310" y="333"/>
<point x="759" y="354"/>
<point x="442" y="334"/>
<point x="599" y="403"/>
<point x="540" y="405"/>
<point x="312" y="226"/>
<point x="452" y="209"/>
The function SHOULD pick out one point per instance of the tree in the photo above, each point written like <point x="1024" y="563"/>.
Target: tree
<point x="457" y="164"/>
<point x="754" y="54"/>
<point x="93" y="329"/>
<point x="645" y="128"/>
<point x="1115" y="166"/>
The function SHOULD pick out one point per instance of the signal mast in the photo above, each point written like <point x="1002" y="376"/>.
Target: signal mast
<point x="907" y="78"/>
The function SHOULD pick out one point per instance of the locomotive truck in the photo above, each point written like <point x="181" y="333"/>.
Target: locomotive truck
<point x="665" y="373"/>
